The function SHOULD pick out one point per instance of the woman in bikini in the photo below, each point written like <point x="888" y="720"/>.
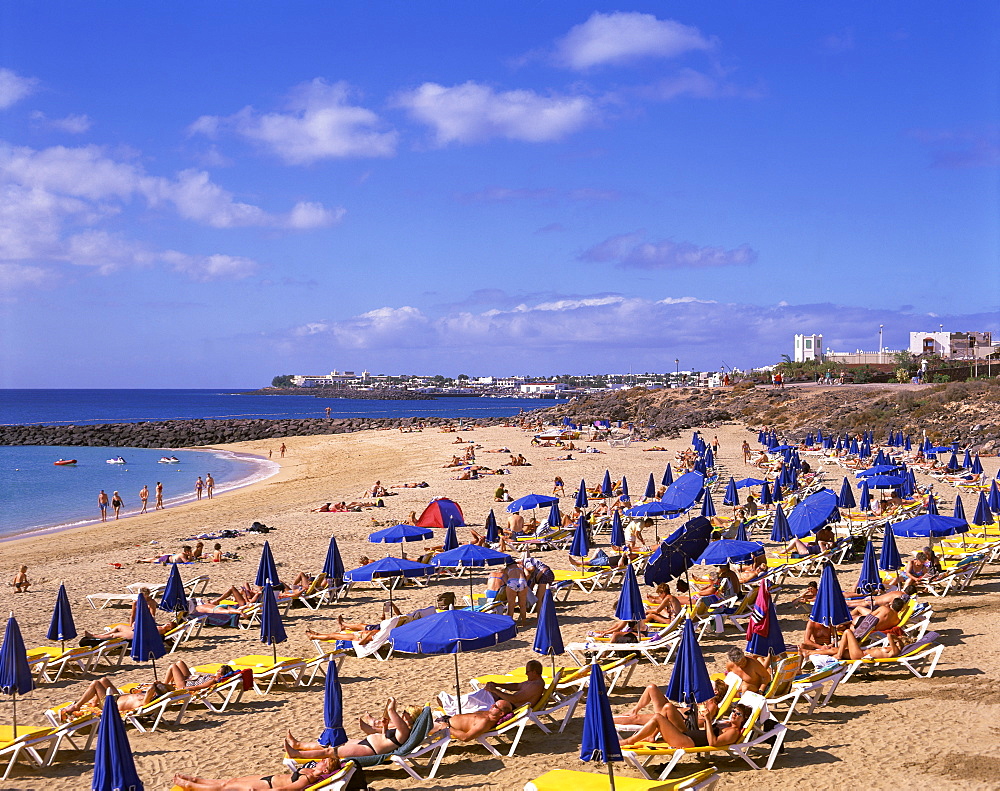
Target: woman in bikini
<point x="517" y="592"/>
<point x="391" y="733"/>
<point x="297" y="780"/>
<point x="92" y="700"/>
<point x="704" y="733"/>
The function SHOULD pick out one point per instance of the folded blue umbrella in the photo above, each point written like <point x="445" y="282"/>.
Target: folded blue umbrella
<point x="953" y="465"/>
<point x="114" y="765"/>
<point x="959" y="512"/>
<point x="581" y="496"/>
<point x="492" y="530"/>
<point x="272" y="630"/>
<point x="581" y="546"/>
<point x="531" y="501"/>
<point x="174" y="599"/>
<point x="333" y="734"/>
<point x="774" y="641"/>
<point x="397" y="534"/>
<point x="846" y="498"/>
<point x="450" y="538"/>
<point x="741" y="533"/>
<point x="776" y="493"/>
<point x="983" y="515"/>
<point x="668" y="476"/>
<point x="830" y="607"/>
<point x="930" y="526"/>
<point x="61" y="627"/>
<point x="650" y="492"/>
<point x="617" y="532"/>
<point x="707" y="506"/>
<point x="865" y="500"/>
<point x="333" y="566"/>
<point x="932" y="504"/>
<point x="630" y="606"/>
<point x="147" y="642"/>
<point x="977" y="466"/>
<point x="548" y="638"/>
<point x="709" y="458"/>
<point x="15" y="673"/>
<point x="690" y="683"/>
<point x="606" y="490"/>
<point x="600" y="739"/>
<point x="994" y="498"/>
<point x="267" y="571"/>
<point x="732" y="497"/>
<point x="869" y="581"/>
<point x="624" y="494"/>
<point x="555" y="518"/>
<point x="781" y="532"/>
<point x="765" y="495"/>
<point x="889" y="558"/>
<point x="815" y="511"/>
<point x="729" y="550"/>
<point x="967" y="461"/>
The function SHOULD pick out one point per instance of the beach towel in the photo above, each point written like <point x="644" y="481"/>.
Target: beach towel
<point x="480" y="700"/>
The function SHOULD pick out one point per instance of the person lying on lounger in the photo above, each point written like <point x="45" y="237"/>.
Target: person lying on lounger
<point x="297" y="780"/>
<point x="180" y="676"/>
<point x="753" y="674"/>
<point x="93" y="696"/>
<point x="707" y="734"/>
<point x="653" y="697"/>
<point x="360" y="633"/>
<point x="392" y="732"/>
<point x="850" y="648"/>
<point x="517" y="694"/>
<point x="887" y="614"/>
<point x="466" y="727"/>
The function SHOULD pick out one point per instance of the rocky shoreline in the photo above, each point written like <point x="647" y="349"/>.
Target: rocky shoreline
<point x="192" y="433"/>
<point x="383" y="394"/>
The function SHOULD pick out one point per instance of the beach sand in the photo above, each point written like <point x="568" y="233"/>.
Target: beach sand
<point x="883" y="733"/>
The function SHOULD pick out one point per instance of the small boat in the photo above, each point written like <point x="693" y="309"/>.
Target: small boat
<point x="64" y="462"/>
<point x="117" y="460"/>
<point x="169" y="460"/>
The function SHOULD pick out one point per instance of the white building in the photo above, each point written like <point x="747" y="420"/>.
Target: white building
<point x="808" y="347"/>
<point x="331" y="379"/>
<point x="543" y="387"/>
<point x="952" y="345"/>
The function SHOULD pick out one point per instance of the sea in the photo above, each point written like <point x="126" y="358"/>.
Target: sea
<point x="38" y="496"/>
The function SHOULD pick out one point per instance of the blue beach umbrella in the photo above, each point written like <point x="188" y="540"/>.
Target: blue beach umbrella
<point x="765" y="495"/>
<point x="580" y="547"/>
<point x="776" y="493"/>
<point x="878" y="469"/>
<point x="676" y="553"/>
<point x="617" y="532"/>
<point x="764" y="635"/>
<point x="907" y="444"/>
<point x="889" y="558"/>
<point x="959" y="512"/>
<point x="15" y="674"/>
<point x="994" y="498"/>
<point x="397" y="534"/>
<point x="967" y="461"/>
<point x="600" y="739"/>
<point x="174" y="598"/>
<point x="655" y="508"/>
<point x="741" y="533"/>
<point x="707" y="506"/>
<point x="531" y="501"/>
<point x="630" y="606"/>
<point x="272" y="630"/>
<point x="387" y="568"/>
<point x="61" y="627"/>
<point x="932" y="504"/>
<point x="684" y="492"/>
<point x="781" y="532"/>
<point x="333" y="734"/>
<point x="729" y="550"/>
<point x="846" y="498"/>
<point x="930" y="526"/>
<point x="114" y="765"/>
<point x="581" y="501"/>
<point x="746" y="483"/>
<point x="830" y="607"/>
<point x="884" y="481"/>
<point x="492" y="530"/>
<point x="813" y="512"/>
<point x="952" y="465"/>
<point x="333" y="566"/>
<point x="983" y="516"/>
<point x="470" y="556"/>
<point x="690" y="683"/>
<point x="266" y="570"/>
<point x="555" y="518"/>
<point x="732" y="497"/>
<point x="977" y="466"/>
<point x="606" y="489"/>
<point x="869" y="581"/>
<point x="452" y="632"/>
<point x="450" y="538"/>
<point x="668" y="476"/>
<point x="865" y="501"/>
<point x="624" y="494"/>
<point x="548" y="638"/>
<point x="709" y="458"/>
<point x="147" y="642"/>
<point x="650" y="492"/>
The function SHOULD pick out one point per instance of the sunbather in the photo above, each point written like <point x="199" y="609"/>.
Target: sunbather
<point x="797" y="548"/>
<point x="361" y="633"/>
<point x="808" y="596"/>
<point x="817" y="636"/>
<point x="622" y="632"/>
<point x="653" y="696"/>
<point x="529" y="691"/>
<point x="850" y="648"/>
<point x="299" y="779"/>
<point x="707" y="734"/>
<point x="466" y="727"/>
<point x="666" y="605"/>
<point x="887" y="614"/>
<point x="92" y="699"/>
<point x="180" y="676"/>
<point x="186" y="555"/>
<point x="917" y="572"/>
<point x="753" y="673"/>
<point x="391" y="732"/>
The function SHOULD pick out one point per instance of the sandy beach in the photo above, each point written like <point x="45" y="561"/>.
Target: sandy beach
<point x="882" y="733"/>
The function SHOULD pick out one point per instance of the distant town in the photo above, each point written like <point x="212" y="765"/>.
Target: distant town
<point x="937" y="356"/>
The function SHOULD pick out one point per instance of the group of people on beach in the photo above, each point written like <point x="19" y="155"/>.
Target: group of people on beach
<point x="116" y="503"/>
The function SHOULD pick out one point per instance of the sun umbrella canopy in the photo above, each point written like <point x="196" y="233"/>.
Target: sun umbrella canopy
<point x="147" y="643"/>
<point x="624" y="488"/>
<point x="677" y="551"/>
<point x="61" y="627"/>
<point x="741" y="532"/>
<point x="846" y="497"/>
<point x="450" y="538"/>
<point x="580" y="547"/>
<point x="492" y="530"/>
<point x="884" y="481"/>
<point x="869" y="581"/>
<point x="878" y="469"/>
<point x="865" y="499"/>
<point x="174" y="598"/>
<point x="650" y="492"/>
<point x="531" y="501"/>
<point x="655" y="508"/>
<point x="442" y="512"/>
<point x="889" y="558"/>
<point x="959" y="512"/>
<point x="732" y="497"/>
<point x="781" y="532"/>
<point x="466" y="555"/>
<point x="397" y="534"/>
<point x="267" y="571"/>
<point x="931" y="504"/>
<point x="272" y="630"/>
<point x="983" y="515"/>
<point x="555" y="518"/>
<point x="114" y="766"/>
<point x="606" y="489"/>
<point x="630" y="606"/>
<point x="746" y="483"/>
<point x="388" y="567"/>
<point x="776" y="493"/>
<point x="994" y="498"/>
<point x="668" y="476"/>
<point x="930" y="526"/>
<point x="15" y="674"/>
<point x="730" y="551"/>
<point x="581" y="496"/>
<point x="690" y="683"/>
<point x="617" y="532"/>
<point x="548" y="638"/>
<point x="333" y="566"/>
<point x="600" y="739"/>
<point x="333" y="734"/>
<point x="813" y="512"/>
<point x="683" y="492"/>
<point x="830" y="607"/>
<point x="764" y="635"/>
<point x="707" y="506"/>
<point x="452" y="631"/>
<point x="976" y="468"/>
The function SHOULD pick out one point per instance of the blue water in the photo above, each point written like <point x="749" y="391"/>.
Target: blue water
<point x="36" y="494"/>
<point x="82" y="407"/>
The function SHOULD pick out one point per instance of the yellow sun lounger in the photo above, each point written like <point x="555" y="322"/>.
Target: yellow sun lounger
<point x="570" y="780"/>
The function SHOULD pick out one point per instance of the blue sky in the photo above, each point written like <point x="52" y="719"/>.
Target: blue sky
<point x="207" y="194"/>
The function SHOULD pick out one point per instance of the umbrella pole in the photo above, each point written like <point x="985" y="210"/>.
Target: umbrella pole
<point x="15" y="713"/>
<point x="458" y="686"/>
<point x="274" y="652"/>
<point x="611" y="775"/>
<point x="153" y="659"/>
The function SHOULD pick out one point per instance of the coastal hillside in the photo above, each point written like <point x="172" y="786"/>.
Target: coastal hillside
<point x="965" y="411"/>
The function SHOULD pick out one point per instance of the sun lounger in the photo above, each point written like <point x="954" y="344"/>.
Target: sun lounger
<point x="266" y="671"/>
<point x="920" y="658"/>
<point x="520" y="719"/>
<point x="417" y="745"/>
<point x="100" y="601"/>
<point x="30" y="740"/>
<point x="147" y="718"/>
<point x="572" y="780"/>
<point x="661" y="647"/>
<point x="79" y="658"/>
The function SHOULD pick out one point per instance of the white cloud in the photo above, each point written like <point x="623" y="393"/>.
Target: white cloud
<point x="305" y="215"/>
<point x="14" y="277"/>
<point x="319" y="124"/>
<point x="14" y="87"/>
<point x="631" y="251"/>
<point x="210" y="267"/>
<point x="622" y="37"/>
<point x="474" y="113"/>
<point x="73" y="124"/>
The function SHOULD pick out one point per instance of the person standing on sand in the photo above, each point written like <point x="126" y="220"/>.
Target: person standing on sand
<point x="102" y="503"/>
<point x="281" y="450"/>
<point x="746" y="452"/>
<point x="209" y="485"/>
<point x="159" y="496"/>
<point x="198" y="486"/>
<point x="144" y="496"/>
<point x="117" y="503"/>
